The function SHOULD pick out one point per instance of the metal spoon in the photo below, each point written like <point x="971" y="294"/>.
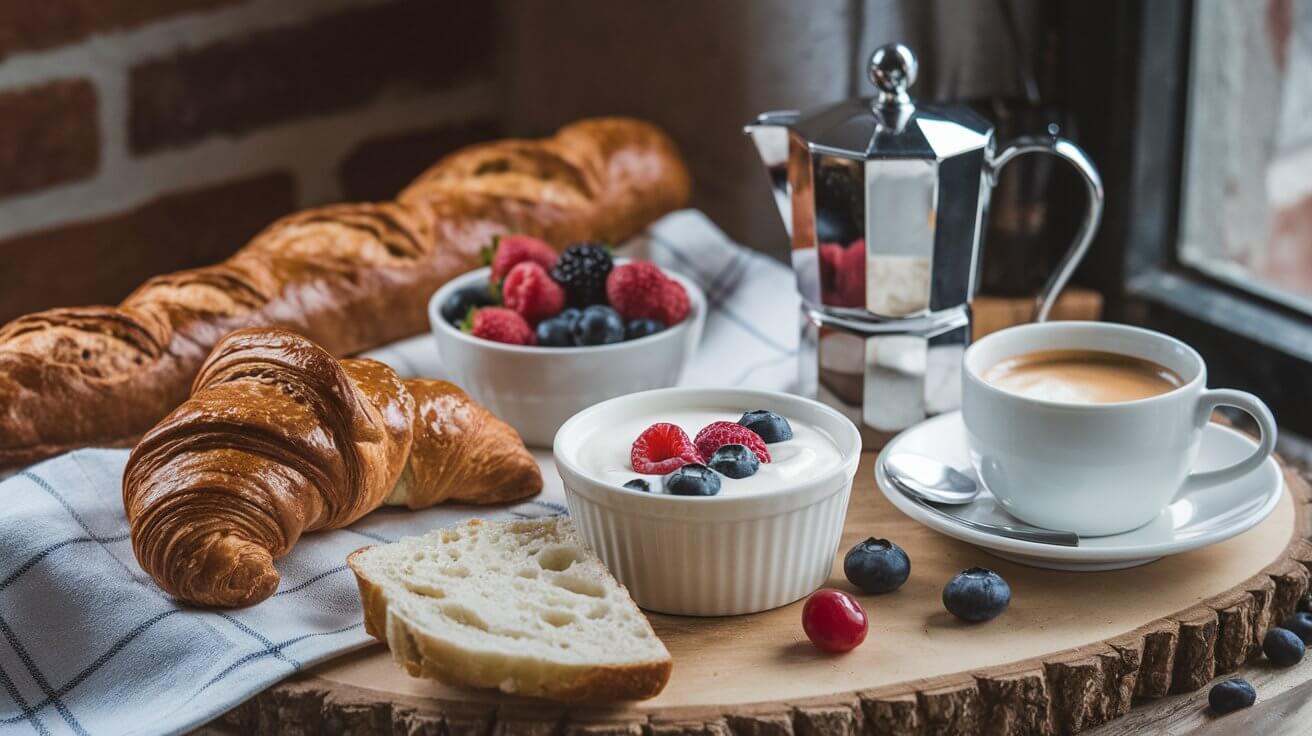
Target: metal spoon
<point x="930" y="479"/>
<point x="929" y="482"/>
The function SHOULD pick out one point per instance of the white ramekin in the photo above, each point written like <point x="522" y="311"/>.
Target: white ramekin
<point x="536" y="389"/>
<point x="716" y="556"/>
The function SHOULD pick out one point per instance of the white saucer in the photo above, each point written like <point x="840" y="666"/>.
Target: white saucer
<point x="1183" y="526"/>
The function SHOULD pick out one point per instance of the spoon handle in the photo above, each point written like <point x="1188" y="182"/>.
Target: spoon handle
<point x="1023" y="533"/>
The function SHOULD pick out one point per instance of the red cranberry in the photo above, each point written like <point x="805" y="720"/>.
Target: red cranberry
<point x="834" y="621"/>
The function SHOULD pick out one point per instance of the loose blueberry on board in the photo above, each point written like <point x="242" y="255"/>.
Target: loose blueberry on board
<point x="1231" y="695"/>
<point x="598" y="325"/>
<point x="734" y="461"/>
<point x="1282" y="647"/>
<point x="639" y="484"/>
<point x="637" y="328"/>
<point x="834" y="621"/>
<point x="457" y="306"/>
<point x="769" y="425"/>
<point x="1301" y="624"/>
<point x="977" y="594"/>
<point x="877" y="566"/>
<point x="582" y="269"/>
<point x="555" y="333"/>
<point x="693" y="479"/>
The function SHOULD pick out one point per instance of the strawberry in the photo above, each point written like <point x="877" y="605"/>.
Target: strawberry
<point x="662" y="448"/>
<point x="529" y="290"/>
<point x="499" y="324"/>
<point x="508" y="251"/>
<point x="718" y="434"/>
<point x="640" y="290"/>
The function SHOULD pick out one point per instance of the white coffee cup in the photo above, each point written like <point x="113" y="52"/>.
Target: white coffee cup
<point x="1097" y="469"/>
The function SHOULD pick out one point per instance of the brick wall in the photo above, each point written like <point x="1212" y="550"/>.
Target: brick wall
<point x="143" y="136"/>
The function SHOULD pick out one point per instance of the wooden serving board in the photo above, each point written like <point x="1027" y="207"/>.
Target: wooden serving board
<point x="1073" y="650"/>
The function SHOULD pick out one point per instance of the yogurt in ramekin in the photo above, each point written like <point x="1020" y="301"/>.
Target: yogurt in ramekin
<point x="605" y="455"/>
<point x="762" y="542"/>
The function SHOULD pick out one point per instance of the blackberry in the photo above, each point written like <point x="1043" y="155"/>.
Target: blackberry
<point x="582" y="269"/>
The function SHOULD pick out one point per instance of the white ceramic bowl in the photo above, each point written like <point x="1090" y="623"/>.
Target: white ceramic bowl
<point x="721" y="555"/>
<point x="536" y="389"/>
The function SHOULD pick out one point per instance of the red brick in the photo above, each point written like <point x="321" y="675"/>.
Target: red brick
<point x="379" y="168"/>
<point x="101" y="261"/>
<point x="329" y="64"/>
<point x="48" y="134"/>
<point x="29" y="25"/>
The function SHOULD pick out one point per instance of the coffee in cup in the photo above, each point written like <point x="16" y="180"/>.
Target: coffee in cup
<point x="1082" y="376"/>
<point x="1094" y="427"/>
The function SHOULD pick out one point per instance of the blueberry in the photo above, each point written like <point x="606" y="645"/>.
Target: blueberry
<point x="569" y="315"/>
<point x="734" y="461"/>
<point x="877" y="566"/>
<point x="771" y="426"/>
<point x="639" y="484"/>
<point x="977" y="594"/>
<point x="1282" y="647"/>
<point x="457" y="306"/>
<point x="642" y="327"/>
<point x="1230" y="695"/>
<point x="693" y="479"/>
<point x="1301" y="624"/>
<point x="554" y="333"/>
<point x="1304" y="604"/>
<point x="598" y="325"/>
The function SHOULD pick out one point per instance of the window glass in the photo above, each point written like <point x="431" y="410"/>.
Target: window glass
<point x="1247" y="192"/>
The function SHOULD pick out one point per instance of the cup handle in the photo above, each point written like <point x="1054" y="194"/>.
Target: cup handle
<point x="1076" y="157"/>
<point x="1266" y="424"/>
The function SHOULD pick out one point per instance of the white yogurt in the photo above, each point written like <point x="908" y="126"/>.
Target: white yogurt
<point x="605" y="453"/>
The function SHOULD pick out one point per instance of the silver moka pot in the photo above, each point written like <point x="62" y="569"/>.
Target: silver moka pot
<point x="885" y="199"/>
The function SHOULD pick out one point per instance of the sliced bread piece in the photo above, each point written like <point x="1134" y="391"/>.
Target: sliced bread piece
<point x="522" y="606"/>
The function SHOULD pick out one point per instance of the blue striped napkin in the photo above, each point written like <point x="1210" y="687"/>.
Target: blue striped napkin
<point x="92" y="646"/>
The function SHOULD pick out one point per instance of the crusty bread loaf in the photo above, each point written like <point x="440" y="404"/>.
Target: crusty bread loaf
<point x="349" y="277"/>
<point x="521" y="606"/>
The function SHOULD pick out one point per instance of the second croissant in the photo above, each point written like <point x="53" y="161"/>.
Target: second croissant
<point x="280" y="438"/>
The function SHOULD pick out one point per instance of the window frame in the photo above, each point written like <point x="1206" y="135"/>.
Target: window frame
<point x="1135" y="112"/>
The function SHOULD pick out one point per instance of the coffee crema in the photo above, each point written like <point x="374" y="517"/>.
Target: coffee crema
<point x="1082" y="376"/>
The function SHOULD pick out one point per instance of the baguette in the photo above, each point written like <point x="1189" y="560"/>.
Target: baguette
<point x="349" y="277"/>
<point x="519" y="606"/>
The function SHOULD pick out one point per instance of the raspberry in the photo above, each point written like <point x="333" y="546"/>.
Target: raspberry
<point x="675" y="301"/>
<point x="639" y="290"/>
<point x="529" y="290"/>
<point x="499" y="324"/>
<point x="718" y="434"/>
<point x="662" y="448"/>
<point x="510" y="250"/>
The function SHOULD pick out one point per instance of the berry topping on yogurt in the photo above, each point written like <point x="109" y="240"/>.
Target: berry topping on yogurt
<point x="718" y="434"/>
<point x="725" y="457"/>
<point x="662" y="448"/>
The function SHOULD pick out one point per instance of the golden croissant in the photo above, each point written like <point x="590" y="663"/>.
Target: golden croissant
<point x="279" y="438"/>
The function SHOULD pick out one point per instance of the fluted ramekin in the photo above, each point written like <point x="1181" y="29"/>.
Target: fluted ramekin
<point x="720" y="555"/>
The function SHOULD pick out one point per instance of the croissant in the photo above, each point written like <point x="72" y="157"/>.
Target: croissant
<point x="279" y="438"/>
<point x="350" y="277"/>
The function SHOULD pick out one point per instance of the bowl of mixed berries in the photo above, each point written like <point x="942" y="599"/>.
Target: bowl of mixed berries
<point x="537" y="336"/>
